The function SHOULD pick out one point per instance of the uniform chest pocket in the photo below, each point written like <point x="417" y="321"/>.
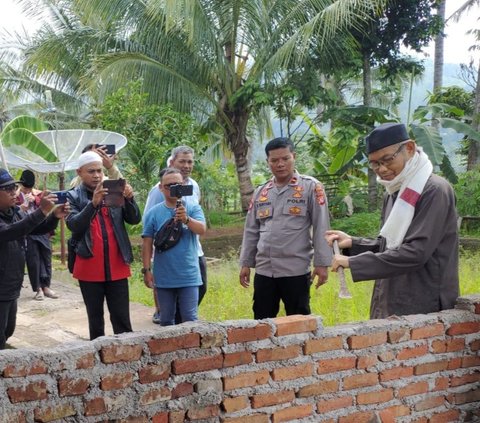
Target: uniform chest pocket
<point x="263" y="213"/>
<point x="295" y="216"/>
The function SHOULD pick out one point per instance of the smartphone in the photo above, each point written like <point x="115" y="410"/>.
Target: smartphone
<point x="61" y="197"/>
<point x="110" y="149"/>
<point x="180" y="190"/>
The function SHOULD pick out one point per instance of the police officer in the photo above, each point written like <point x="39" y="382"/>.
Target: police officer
<point x="277" y="239"/>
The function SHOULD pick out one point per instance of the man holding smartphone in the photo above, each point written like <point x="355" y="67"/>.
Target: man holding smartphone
<point x="182" y="158"/>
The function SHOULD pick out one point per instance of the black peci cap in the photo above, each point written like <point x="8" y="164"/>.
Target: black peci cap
<point x="384" y="135"/>
<point x="27" y="179"/>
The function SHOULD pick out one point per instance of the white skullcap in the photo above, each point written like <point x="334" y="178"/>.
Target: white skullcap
<point x="87" y="158"/>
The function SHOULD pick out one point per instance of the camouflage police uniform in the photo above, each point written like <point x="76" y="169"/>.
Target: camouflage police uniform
<point x="278" y="241"/>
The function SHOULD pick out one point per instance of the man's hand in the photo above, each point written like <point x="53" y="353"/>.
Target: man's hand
<point x="340" y="261"/>
<point x="148" y="279"/>
<point x="128" y="192"/>
<point x="321" y="272"/>
<point x="344" y="240"/>
<point x="107" y="160"/>
<point x="98" y="195"/>
<point x="245" y="277"/>
<point x="62" y="210"/>
<point x="181" y="214"/>
<point x="47" y="202"/>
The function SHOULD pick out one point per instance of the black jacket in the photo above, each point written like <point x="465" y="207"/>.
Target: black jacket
<point x="83" y="212"/>
<point x="14" y="226"/>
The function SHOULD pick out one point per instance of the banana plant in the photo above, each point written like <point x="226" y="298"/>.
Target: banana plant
<point x="20" y="132"/>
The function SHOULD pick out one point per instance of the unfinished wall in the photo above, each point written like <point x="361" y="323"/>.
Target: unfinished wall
<point x="422" y="368"/>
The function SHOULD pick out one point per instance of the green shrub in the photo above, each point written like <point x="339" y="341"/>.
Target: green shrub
<point x="359" y="224"/>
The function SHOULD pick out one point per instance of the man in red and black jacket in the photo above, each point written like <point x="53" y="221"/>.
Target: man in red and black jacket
<point x="103" y="249"/>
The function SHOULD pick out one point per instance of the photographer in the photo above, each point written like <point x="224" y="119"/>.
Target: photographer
<point x="103" y="250"/>
<point x="176" y="272"/>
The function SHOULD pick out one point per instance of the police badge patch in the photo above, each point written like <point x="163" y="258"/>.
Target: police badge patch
<point x="319" y="194"/>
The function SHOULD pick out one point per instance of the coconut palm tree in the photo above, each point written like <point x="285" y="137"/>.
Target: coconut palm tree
<point x="209" y="57"/>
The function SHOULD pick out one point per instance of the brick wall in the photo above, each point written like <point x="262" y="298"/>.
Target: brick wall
<point x="422" y="368"/>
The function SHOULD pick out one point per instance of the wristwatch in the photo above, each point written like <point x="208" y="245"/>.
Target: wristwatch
<point x="187" y="221"/>
<point x="145" y="270"/>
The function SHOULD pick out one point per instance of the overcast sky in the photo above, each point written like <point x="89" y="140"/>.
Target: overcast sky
<point x="456" y="42"/>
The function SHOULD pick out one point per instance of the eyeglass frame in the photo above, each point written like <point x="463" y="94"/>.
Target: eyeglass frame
<point x="9" y="188"/>
<point x="387" y="161"/>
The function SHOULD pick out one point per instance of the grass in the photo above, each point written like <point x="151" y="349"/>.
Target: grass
<point x="227" y="300"/>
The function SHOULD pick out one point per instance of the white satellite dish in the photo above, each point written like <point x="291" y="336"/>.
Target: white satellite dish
<point x="66" y="144"/>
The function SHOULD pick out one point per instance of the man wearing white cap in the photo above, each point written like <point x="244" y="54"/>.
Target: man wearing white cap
<point x="102" y="247"/>
<point x="415" y="257"/>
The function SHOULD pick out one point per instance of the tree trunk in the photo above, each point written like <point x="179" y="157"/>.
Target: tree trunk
<point x="240" y="146"/>
<point x="438" y="59"/>
<point x="473" y="159"/>
<point x="367" y="101"/>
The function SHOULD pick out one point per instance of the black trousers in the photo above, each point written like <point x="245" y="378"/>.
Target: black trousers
<point x="293" y="291"/>
<point x="39" y="264"/>
<point x="8" y="320"/>
<point x="116" y="294"/>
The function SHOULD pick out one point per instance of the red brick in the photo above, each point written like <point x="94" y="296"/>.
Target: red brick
<point x="375" y="397"/>
<point x="432" y="367"/>
<point x="412" y="352"/>
<point x="68" y="386"/>
<point x="428" y="331"/>
<point x="14" y="417"/>
<point x="292" y="372"/>
<point x="155" y="395"/>
<point x="31" y="392"/>
<point x="237" y="359"/>
<point x="57" y="412"/>
<point x="176" y="416"/>
<point x="256" y="333"/>
<point x="413" y="389"/>
<point x="399" y="335"/>
<point x="182" y="390"/>
<point x="213" y="339"/>
<point x="251" y="418"/>
<point x="313" y="346"/>
<point x="336" y="364"/>
<point x="204" y="412"/>
<point x="395" y="411"/>
<point x="463" y="328"/>
<point x="86" y="361"/>
<point x="477" y="308"/>
<point x="160" y="346"/>
<point x="273" y="398"/>
<point x="445" y="417"/>
<point x="246" y="379"/>
<point x="356" y="342"/>
<point x="120" y="353"/>
<point x="454" y="363"/>
<point x="161" y="417"/>
<point x="396" y="373"/>
<point x="386" y="356"/>
<point x="334" y="404"/>
<point x="470" y="361"/>
<point x="230" y="405"/>
<point x="116" y="381"/>
<point x="359" y="381"/>
<point x="292" y="413"/>
<point x="95" y="407"/>
<point x="475" y="345"/>
<point x="429" y="403"/>
<point x="13" y="370"/>
<point x="289" y="325"/>
<point x="278" y="354"/>
<point x="358" y="417"/>
<point x="154" y="373"/>
<point x="441" y="384"/>
<point x="464" y="397"/>
<point x="366" y="361"/>
<point x="465" y="379"/>
<point x="320" y="388"/>
<point x="195" y="365"/>
<point x="450" y="345"/>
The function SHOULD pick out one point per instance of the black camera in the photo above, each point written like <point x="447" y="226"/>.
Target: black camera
<point x="179" y="190"/>
<point x="61" y="197"/>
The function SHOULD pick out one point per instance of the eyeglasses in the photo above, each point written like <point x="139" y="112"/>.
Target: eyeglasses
<point x="386" y="161"/>
<point x="170" y="185"/>
<point x="9" y="188"/>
